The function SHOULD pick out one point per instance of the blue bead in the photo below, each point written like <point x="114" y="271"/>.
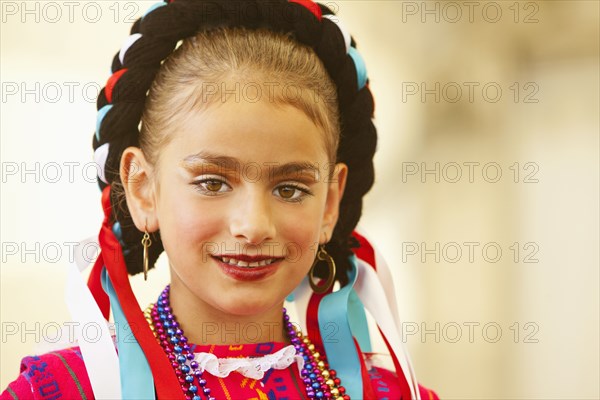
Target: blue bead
<point x="189" y="378"/>
<point x="308" y="367"/>
<point x="312" y="375"/>
<point x="177" y="349"/>
<point x="174" y="340"/>
<point x="170" y="331"/>
<point x="319" y="395"/>
<point x="185" y="369"/>
<point x="316" y="385"/>
<point x="167" y="324"/>
<point x="162" y="316"/>
<point x="196" y="398"/>
<point x="180" y="359"/>
<point x="193" y="389"/>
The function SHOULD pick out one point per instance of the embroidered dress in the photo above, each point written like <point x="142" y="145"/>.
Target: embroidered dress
<point x="61" y="375"/>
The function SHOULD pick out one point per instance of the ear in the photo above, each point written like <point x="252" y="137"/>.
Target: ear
<point x="335" y="192"/>
<point x="138" y="180"/>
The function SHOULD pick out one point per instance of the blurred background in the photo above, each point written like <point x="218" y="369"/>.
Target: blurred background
<point x="485" y="204"/>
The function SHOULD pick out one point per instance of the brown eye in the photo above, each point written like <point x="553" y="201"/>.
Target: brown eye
<point x="286" y="192"/>
<point x="292" y="192"/>
<point x="213" y="186"/>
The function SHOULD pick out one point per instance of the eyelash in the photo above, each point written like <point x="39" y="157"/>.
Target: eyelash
<point x="200" y="182"/>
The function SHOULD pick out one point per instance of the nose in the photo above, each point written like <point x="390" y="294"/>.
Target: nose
<point x="251" y="220"/>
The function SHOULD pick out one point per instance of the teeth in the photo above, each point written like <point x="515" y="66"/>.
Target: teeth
<point x="245" y="264"/>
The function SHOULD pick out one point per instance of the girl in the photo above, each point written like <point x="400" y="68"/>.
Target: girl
<point x="237" y="137"/>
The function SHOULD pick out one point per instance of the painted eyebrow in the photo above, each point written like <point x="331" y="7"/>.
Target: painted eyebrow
<point x="204" y="159"/>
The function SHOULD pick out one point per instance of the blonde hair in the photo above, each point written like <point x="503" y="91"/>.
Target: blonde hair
<point x="258" y="65"/>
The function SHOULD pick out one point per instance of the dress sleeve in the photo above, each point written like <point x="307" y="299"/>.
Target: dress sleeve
<point x="59" y="374"/>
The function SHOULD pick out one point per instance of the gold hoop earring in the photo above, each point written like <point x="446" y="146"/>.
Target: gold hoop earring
<point x="146" y="242"/>
<point x="322" y="255"/>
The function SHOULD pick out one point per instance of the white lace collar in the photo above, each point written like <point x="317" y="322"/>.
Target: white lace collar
<point x="250" y="367"/>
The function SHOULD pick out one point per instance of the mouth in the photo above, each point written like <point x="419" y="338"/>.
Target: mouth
<point x="248" y="268"/>
<point x="236" y="262"/>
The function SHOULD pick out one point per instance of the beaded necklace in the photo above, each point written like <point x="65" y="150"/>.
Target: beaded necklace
<point x="320" y="381"/>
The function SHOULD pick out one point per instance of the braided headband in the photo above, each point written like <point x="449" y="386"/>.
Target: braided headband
<point x="154" y="37"/>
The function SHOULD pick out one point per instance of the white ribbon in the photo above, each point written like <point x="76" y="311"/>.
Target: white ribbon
<point x="336" y="20"/>
<point x="371" y="293"/>
<point x="129" y="41"/>
<point x="250" y="367"/>
<point x="100" y="156"/>
<point x="91" y="329"/>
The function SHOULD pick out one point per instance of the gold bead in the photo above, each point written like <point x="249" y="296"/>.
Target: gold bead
<point x="334" y="391"/>
<point x="321" y="364"/>
<point x="306" y="341"/>
<point x="329" y="382"/>
<point x="316" y="355"/>
<point x="325" y="373"/>
<point x="311" y="347"/>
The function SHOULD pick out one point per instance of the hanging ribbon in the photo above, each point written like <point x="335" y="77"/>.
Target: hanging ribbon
<point x="336" y="335"/>
<point x="136" y="376"/>
<point x="99" y="355"/>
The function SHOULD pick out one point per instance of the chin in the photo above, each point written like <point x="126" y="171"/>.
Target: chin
<point x="247" y="308"/>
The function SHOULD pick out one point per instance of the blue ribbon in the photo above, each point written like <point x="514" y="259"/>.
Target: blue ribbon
<point x="336" y="334"/>
<point x="101" y="114"/>
<point x="136" y="376"/>
<point x="358" y="322"/>
<point x="154" y="7"/>
<point x="361" y="68"/>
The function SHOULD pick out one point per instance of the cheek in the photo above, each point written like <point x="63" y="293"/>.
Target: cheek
<point x="300" y="233"/>
<point x="186" y="223"/>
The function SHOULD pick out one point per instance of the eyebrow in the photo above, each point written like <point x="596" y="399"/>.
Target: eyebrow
<point x="204" y="159"/>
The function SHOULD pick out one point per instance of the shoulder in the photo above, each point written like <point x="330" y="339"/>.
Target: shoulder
<point x="57" y="374"/>
<point x="386" y="385"/>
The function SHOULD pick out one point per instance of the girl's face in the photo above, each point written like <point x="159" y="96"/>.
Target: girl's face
<point x="242" y="180"/>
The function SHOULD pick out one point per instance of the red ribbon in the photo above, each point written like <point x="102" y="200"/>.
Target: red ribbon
<point x="165" y="381"/>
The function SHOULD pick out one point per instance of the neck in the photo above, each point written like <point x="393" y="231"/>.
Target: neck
<point x="205" y="324"/>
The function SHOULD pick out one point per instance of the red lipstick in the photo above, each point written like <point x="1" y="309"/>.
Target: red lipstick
<point x="248" y="273"/>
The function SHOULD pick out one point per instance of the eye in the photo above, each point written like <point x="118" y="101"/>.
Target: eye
<point x="292" y="192"/>
<point x="211" y="186"/>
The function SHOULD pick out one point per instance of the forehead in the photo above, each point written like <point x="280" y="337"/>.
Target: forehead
<point x="251" y="132"/>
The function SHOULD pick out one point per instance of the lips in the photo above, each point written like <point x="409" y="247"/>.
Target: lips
<point x="245" y="264"/>
<point x="246" y="261"/>
<point x="250" y="269"/>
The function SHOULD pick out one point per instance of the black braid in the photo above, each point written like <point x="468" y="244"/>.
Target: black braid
<point x="161" y="30"/>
